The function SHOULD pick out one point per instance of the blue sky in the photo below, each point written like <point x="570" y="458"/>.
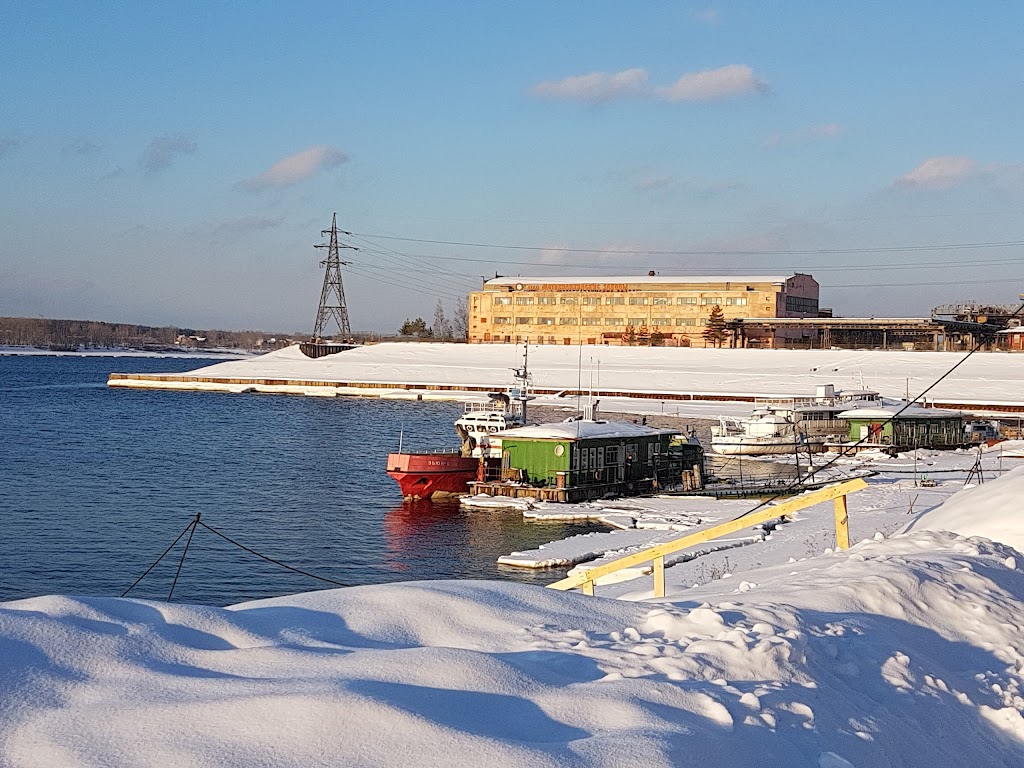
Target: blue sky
<point x="174" y="163"/>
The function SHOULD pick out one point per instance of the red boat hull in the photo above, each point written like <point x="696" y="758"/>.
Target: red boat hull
<point x="422" y="475"/>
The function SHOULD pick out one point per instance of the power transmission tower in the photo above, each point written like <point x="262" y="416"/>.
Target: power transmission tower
<point x="333" y="287"/>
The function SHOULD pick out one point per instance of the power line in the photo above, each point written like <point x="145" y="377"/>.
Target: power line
<point x="758" y="252"/>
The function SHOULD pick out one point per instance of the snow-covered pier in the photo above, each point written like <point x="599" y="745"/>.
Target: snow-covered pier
<point x="987" y="382"/>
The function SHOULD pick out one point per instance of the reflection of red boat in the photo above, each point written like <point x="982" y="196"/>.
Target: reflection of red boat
<point x="422" y="475"/>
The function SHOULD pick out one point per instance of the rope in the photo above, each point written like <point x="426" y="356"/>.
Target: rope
<point x="154" y="565"/>
<point x="190" y="529"/>
<point x="270" y="559"/>
<point x="844" y="451"/>
<point x="182" y="561"/>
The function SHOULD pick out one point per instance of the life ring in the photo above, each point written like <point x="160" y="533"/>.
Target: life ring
<point x="597" y="474"/>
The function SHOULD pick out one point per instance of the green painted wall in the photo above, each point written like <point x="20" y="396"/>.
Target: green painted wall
<point x="540" y="459"/>
<point x="908" y="433"/>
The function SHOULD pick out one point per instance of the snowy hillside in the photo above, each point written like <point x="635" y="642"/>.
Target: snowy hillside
<point x="903" y="651"/>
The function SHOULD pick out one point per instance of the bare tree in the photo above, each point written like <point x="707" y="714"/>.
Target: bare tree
<point x="460" y="321"/>
<point x="441" y="328"/>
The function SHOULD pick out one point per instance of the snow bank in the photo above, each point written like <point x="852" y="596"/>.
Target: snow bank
<point x="994" y="510"/>
<point x="907" y="652"/>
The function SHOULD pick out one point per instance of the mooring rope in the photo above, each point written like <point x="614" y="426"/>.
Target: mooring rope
<point x="190" y="526"/>
<point x="272" y="560"/>
<point x="191" y="529"/>
<point x="181" y="562"/>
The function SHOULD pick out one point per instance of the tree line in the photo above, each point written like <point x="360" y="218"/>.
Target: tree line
<point x="444" y="328"/>
<point x="73" y="334"/>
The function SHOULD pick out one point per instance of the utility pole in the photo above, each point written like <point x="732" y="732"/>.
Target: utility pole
<point x="333" y="287"/>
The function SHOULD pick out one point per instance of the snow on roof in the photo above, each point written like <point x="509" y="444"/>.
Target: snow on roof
<point x="888" y="411"/>
<point x="579" y="429"/>
<point x="655" y="279"/>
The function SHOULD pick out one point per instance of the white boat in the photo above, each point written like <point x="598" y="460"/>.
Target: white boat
<point x="482" y="422"/>
<point x="782" y="425"/>
<point x="764" y="433"/>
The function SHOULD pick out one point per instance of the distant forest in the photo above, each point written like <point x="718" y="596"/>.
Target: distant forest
<point x="74" y="334"/>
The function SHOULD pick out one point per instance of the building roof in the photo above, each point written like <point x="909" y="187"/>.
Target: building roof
<point x="580" y="429"/>
<point x="649" y="279"/>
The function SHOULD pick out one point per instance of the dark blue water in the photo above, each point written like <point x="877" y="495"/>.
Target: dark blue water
<point x="95" y="483"/>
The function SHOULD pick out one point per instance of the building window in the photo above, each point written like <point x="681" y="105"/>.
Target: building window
<point x="736" y="301"/>
<point x="502" y="300"/>
<point x="503" y="321"/>
<point x="569" y="300"/>
<point x="637" y="300"/>
<point x="800" y="304"/>
<point x="591" y="321"/>
<point x="567" y="321"/>
<point x="614" y="321"/>
<point x="686" y="300"/>
<point x="547" y="300"/>
<point x="686" y="321"/>
<point x="661" y="321"/>
<point x="615" y="300"/>
<point x="524" y="299"/>
<point x="611" y="455"/>
<point x="637" y="321"/>
<point x="711" y="300"/>
<point x="524" y="321"/>
<point x="661" y="300"/>
<point x="545" y="321"/>
<point x="591" y="300"/>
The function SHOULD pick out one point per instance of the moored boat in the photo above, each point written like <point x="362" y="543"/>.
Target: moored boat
<point x="786" y="425"/>
<point x="427" y="474"/>
<point x="424" y="475"/>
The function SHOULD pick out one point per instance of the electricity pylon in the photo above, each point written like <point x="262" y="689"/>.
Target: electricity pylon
<point x="333" y="287"/>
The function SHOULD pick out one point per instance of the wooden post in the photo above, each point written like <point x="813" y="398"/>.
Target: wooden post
<point x="588" y="588"/>
<point x="659" y="576"/>
<point x="842" y="523"/>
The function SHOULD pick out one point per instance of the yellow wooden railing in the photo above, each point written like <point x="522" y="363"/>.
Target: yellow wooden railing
<point x="585" y="578"/>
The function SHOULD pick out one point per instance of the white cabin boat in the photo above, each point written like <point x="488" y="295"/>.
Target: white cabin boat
<point x="785" y="425"/>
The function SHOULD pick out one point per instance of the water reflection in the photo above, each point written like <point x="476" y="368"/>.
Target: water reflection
<point x="458" y="542"/>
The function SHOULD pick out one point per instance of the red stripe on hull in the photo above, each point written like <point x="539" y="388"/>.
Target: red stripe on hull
<point x="422" y="475"/>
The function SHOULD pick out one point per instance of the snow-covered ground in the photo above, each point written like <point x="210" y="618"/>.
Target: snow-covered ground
<point x="905" y="650"/>
<point x="771" y="649"/>
<point x="984" y="378"/>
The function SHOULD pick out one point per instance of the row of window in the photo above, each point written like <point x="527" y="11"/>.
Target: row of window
<point x="800" y="304"/>
<point x="634" y="321"/>
<point x="633" y="300"/>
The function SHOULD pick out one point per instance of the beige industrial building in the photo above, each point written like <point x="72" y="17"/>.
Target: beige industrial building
<point x="616" y="310"/>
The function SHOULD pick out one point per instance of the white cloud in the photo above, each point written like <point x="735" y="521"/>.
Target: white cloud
<point x="595" y="87"/>
<point x="939" y="173"/>
<point x="805" y="135"/>
<point x="712" y="84"/>
<point x="601" y="87"/>
<point x="298" y="167"/>
<point x="707" y="16"/>
<point x="164" y="150"/>
<point x="653" y="183"/>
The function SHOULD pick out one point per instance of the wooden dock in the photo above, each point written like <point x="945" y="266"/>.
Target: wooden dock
<point x="569" y="495"/>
